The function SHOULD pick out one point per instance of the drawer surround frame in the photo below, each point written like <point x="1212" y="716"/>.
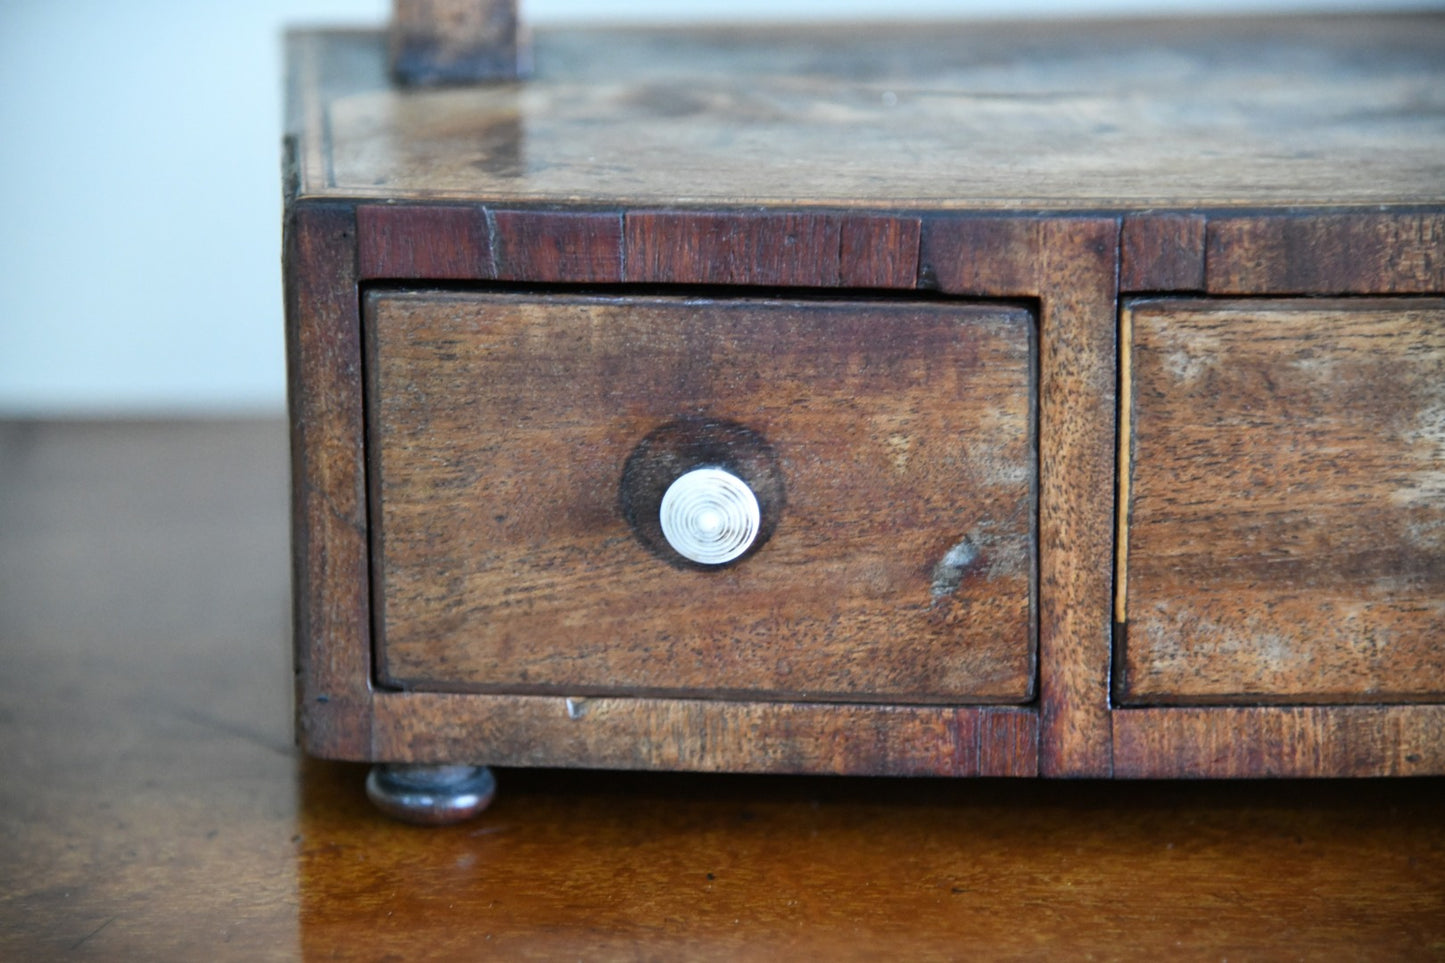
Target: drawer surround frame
<point x="1074" y="264"/>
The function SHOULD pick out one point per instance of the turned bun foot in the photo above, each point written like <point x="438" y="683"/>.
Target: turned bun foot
<point x="431" y="795"/>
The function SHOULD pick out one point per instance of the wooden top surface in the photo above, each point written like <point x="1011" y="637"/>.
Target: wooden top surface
<point x="1112" y="115"/>
<point x="153" y="808"/>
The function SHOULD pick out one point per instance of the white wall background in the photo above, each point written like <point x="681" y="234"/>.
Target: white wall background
<point x="139" y="184"/>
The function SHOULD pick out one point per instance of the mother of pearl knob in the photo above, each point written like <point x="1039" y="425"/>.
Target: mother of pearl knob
<point x="710" y="516"/>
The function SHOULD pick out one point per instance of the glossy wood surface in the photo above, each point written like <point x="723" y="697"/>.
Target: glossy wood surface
<point x="153" y="808"/>
<point x="1286" y="493"/>
<point x="1006" y="116"/>
<point x="505" y="425"/>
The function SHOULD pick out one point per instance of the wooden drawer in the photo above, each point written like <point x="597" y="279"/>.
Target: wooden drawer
<point x="503" y="429"/>
<point x="1285" y="493"/>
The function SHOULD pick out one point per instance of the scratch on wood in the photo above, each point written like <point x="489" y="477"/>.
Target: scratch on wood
<point x="92" y="934"/>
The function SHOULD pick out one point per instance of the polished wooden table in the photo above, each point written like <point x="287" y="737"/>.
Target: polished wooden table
<point x="152" y="806"/>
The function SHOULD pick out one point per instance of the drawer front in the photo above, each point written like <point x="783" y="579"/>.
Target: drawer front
<point x="895" y="458"/>
<point x="1285" y="493"/>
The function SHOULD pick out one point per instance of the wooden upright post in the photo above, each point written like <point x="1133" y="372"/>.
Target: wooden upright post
<point x="436" y="42"/>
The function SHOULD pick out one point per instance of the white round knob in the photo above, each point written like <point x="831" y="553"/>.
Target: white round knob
<point x="710" y="516"/>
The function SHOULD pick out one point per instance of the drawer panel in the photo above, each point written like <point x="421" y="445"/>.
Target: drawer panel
<point x="508" y="554"/>
<point x="1286" y="502"/>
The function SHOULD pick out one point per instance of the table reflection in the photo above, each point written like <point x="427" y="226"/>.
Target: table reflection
<point x="626" y="865"/>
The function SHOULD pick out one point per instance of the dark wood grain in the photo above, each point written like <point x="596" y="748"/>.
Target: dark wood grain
<point x="879" y="252"/>
<point x="1162" y="252"/>
<point x="154" y="808"/>
<point x="757" y="248"/>
<point x="456" y="41"/>
<point x="902" y="431"/>
<point x="699" y="735"/>
<point x="984" y="256"/>
<point x="1287" y="527"/>
<point x="1323" y="253"/>
<point x="579" y="247"/>
<point x="1008" y="743"/>
<point x="772" y="249"/>
<point x="468" y="242"/>
<point x="437" y="242"/>
<point x="331" y="556"/>
<point x="1253" y="741"/>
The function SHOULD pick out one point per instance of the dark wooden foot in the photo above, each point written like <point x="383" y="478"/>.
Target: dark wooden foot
<point x="431" y="795"/>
